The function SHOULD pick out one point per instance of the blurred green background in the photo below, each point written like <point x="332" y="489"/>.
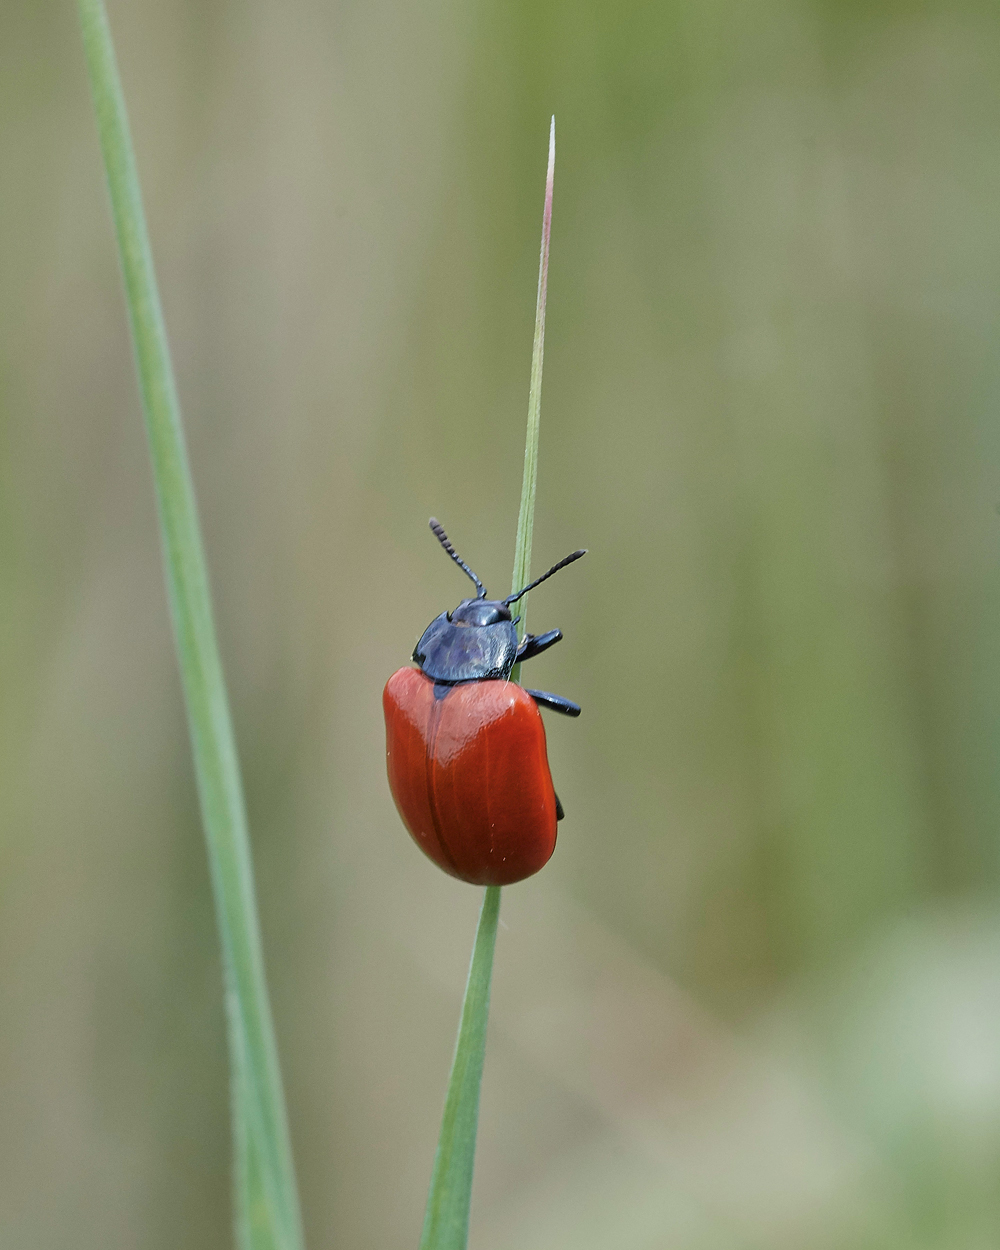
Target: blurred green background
<point x="753" y="1003"/>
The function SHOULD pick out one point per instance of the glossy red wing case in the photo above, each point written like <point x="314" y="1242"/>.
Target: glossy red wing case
<point x="470" y="776"/>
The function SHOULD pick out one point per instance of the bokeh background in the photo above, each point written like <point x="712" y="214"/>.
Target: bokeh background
<point x="753" y="1003"/>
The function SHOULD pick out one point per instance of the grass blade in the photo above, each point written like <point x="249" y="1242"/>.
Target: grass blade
<point x="446" y="1222"/>
<point x="526" y="514"/>
<point x="267" y="1201"/>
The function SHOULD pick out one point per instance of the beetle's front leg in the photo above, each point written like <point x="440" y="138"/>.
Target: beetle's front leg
<point x="535" y="644"/>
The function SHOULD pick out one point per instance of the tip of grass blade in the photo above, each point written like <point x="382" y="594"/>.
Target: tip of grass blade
<point x="546" y="220"/>
<point x="526" y="515"/>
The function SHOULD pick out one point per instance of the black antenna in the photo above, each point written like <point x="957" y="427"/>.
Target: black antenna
<point x="554" y="569"/>
<point x="442" y="538"/>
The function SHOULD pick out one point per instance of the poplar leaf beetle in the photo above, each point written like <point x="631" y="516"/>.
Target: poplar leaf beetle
<point x="465" y="745"/>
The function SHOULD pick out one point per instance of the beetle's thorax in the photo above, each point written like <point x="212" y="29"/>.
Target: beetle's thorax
<point x="475" y="642"/>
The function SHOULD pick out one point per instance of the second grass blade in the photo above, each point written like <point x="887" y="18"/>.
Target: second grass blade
<point x="267" y="1200"/>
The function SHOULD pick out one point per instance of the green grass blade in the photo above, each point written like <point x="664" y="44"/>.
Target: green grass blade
<point x="267" y="1200"/>
<point x="446" y="1222"/>
<point x="526" y="514"/>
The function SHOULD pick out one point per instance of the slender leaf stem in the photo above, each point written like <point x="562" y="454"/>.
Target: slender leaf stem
<point x="446" y="1222"/>
<point x="267" y="1201"/>
<point x="526" y="513"/>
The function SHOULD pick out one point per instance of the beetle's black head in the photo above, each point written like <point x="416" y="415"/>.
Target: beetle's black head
<point x="478" y="640"/>
<point x="480" y="612"/>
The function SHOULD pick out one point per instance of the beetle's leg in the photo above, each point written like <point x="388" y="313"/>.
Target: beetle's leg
<point x="559" y="808"/>
<point x="535" y="644"/>
<point x="555" y="702"/>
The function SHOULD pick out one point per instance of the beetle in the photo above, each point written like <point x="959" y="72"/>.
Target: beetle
<point x="465" y="745"/>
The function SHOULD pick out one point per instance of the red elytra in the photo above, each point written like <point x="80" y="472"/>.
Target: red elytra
<point x="470" y="776"/>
